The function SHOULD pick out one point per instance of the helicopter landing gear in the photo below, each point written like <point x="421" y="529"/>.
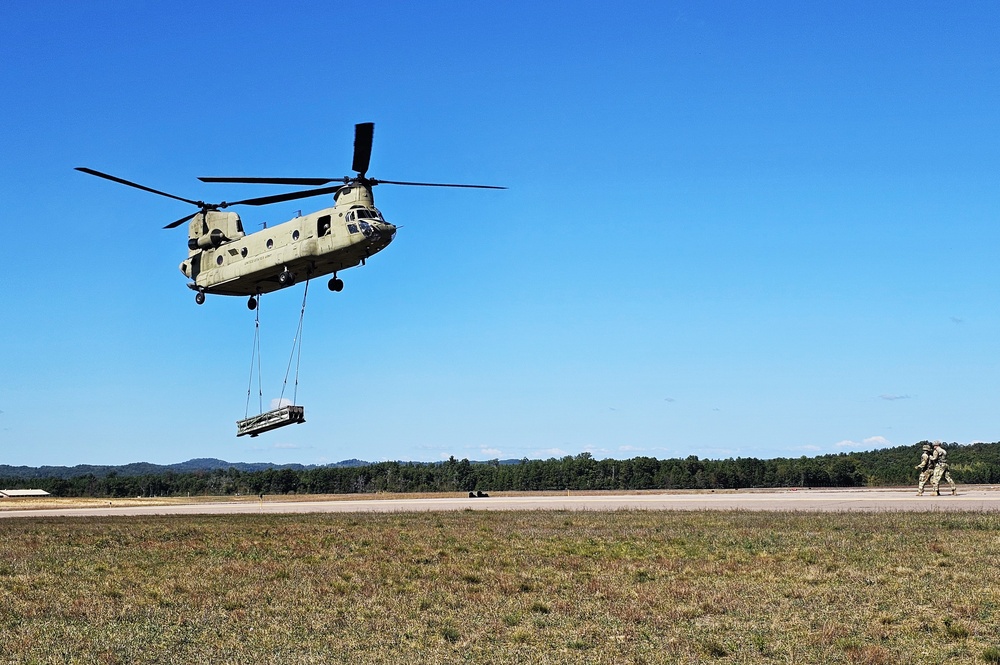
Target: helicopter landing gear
<point x="252" y="303"/>
<point x="286" y="278"/>
<point x="336" y="284"/>
<point x="199" y="298"/>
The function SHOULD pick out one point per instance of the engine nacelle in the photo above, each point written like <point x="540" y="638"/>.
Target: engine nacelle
<point x="215" y="238"/>
<point x="213" y="228"/>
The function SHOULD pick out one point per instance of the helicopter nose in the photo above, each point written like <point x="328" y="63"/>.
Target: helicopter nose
<point x="387" y="230"/>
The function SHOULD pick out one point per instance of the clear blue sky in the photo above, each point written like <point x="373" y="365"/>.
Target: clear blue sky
<point x="732" y="228"/>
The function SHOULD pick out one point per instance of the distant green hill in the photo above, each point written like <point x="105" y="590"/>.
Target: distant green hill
<point x="145" y="468"/>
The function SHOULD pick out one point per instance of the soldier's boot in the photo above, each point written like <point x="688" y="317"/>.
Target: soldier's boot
<point x="937" y="492"/>
<point x="953" y="491"/>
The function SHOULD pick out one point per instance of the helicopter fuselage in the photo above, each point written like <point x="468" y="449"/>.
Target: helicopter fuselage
<point x="223" y="260"/>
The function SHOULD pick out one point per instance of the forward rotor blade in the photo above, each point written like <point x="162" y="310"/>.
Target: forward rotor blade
<point x="275" y="181"/>
<point x="288" y="196"/>
<point x="323" y="181"/>
<point x="137" y="185"/>
<point x="431" y="184"/>
<point x="363" y="135"/>
<point x="180" y="221"/>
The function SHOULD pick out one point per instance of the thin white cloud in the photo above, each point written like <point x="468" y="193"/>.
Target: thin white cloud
<point x="891" y="398"/>
<point x="491" y="452"/>
<point x="280" y="403"/>
<point x="717" y="453"/>
<point x="551" y="452"/>
<point x="869" y="442"/>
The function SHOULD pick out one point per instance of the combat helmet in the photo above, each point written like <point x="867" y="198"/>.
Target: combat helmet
<point x="927" y="447"/>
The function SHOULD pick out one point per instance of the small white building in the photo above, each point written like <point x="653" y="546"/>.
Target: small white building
<point x="20" y="494"/>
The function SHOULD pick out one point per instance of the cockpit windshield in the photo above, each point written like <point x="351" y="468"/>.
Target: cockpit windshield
<point x="364" y="213"/>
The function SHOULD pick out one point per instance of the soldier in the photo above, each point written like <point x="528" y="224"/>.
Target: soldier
<point x="926" y="468"/>
<point x="938" y="459"/>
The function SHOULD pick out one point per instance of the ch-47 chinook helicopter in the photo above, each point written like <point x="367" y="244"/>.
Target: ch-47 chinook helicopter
<point x="224" y="260"/>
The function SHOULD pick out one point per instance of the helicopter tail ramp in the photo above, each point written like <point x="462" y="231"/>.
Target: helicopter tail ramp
<point x="265" y="422"/>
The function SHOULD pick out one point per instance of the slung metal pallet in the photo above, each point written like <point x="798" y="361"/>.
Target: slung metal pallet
<point x="265" y="422"/>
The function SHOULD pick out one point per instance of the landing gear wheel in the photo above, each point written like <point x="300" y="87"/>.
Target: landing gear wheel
<point x="252" y="304"/>
<point x="286" y="278"/>
<point x="199" y="298"/>
<point x="336" y="284"/>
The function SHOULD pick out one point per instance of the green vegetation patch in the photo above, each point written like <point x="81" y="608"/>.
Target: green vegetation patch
<point x="501" y="587"/>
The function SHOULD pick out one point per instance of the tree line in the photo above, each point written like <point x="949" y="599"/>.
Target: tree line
<point x="977" y="463"/>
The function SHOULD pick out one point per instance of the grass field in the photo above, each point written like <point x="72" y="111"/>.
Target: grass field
<point x="505" y="587"/>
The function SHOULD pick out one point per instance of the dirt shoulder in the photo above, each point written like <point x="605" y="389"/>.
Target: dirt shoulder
<point x="58" y="503"/>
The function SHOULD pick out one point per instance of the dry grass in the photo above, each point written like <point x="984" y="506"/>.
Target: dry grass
<point x="45" y="503"/>
<point x="505" y="587"/>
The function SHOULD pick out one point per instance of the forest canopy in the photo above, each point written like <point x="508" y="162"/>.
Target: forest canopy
<point x="977" y="463"/>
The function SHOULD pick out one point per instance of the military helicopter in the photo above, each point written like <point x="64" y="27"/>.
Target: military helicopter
<point x="225" y="260"/>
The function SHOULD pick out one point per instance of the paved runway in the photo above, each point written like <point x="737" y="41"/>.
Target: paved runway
<point x="978" y="498"/>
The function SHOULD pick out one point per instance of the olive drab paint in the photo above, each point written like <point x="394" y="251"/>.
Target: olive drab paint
<point x="225" y="260"/>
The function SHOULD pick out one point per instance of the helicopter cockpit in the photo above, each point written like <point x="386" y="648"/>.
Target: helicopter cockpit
<point x="364" y="213"/>
<point x="358" y="222"/>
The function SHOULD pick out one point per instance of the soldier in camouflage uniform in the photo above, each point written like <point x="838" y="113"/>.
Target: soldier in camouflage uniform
<point x="938" y="459"/>
<point x="926" y="468"/>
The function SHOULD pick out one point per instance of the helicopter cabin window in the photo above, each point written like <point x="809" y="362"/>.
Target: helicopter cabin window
<point x="353" y="228"/>
<point x="218" y="260"/>
<point x="270" y="244"/>
<point x="323" y="226"/>
<point x="295" y="234"/>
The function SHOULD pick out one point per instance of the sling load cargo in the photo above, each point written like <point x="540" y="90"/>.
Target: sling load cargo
<point x="284" y="414"/>
<point x="265" y="422"/>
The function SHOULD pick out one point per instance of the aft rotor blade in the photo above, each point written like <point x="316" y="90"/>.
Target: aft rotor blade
<point x="431" y="184"/>
<point x="288" y="196"/>
<point x="275" y="181"/>
<point x="180" y="221"/>
<point x="363" y="135"/>
<point x="137" y="185"/>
